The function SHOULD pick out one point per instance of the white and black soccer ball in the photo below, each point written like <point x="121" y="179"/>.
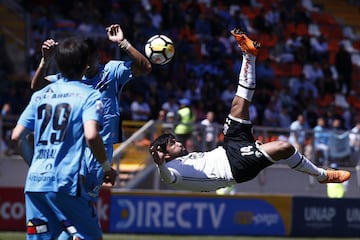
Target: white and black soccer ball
<point x="159" y="49"/>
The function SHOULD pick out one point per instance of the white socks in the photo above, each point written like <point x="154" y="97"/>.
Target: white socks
<point x="300" y="163"/>
<point x="247" y="83"/>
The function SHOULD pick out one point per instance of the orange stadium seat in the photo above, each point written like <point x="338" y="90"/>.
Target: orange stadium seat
<point x="332" y="55"/>
<point x="290" y="28"/>
<point x="282" y="69"/>
<point x="296" y="69"/>
<point x="328" y="18"/>
<point x="323" y="18"/>
<point x="316" y="17"/>
<point x="333" y="44"/>
<point x="277" y="83"/>
<point x="267" y="40"/>
<point x="325" y="101"/>
<point x="302" y="29"/>
<point x="356" y="44"/>
<point x="250" y="12"/>
<point x="264" y="54"/>
<point x="267" y="3"/>
<point x="325" y="30"/>
<point x="336" y="32"/>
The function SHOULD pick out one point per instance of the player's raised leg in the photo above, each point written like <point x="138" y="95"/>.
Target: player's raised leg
<point x="247" y="83"/>
<point x="278" y="150"/>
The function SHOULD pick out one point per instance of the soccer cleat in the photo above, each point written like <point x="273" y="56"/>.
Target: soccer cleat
<point x="336" y="176"/>
<point x="246" y="44"/>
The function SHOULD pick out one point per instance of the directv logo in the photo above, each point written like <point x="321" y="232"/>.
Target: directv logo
<point x="152" y="214"/>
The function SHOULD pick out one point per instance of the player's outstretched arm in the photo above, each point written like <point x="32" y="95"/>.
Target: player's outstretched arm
<point x="159" y="158"/>
<point x="141" y="65"/>
<point x="47" y="49"/>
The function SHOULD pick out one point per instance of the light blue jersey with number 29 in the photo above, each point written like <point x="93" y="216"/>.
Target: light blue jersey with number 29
<point x="56" y="114"/>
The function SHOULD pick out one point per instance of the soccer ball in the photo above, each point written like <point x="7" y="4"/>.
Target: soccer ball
<point x="159" y="49"/>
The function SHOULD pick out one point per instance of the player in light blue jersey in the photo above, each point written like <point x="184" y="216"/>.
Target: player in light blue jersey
<point x="109" y="80"/>
<point x="65" y="117"/>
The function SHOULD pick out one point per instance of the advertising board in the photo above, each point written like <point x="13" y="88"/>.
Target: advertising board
<point x="199" y="214"/>
<point x="326" y="217"/>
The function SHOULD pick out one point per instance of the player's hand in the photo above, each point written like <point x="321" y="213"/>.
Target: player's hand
<point x="115" y="33"/>
<point x="48" y="48"/>
<point x="110" y="176"/>
<point x="157" y="155"/>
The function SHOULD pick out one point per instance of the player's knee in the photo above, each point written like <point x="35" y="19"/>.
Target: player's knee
<point x="286" y="148"/>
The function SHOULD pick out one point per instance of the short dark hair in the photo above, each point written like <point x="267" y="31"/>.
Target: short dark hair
<point x="92" y="46"/>
<point x="162" y="141"/>
<point x="71" y="57"/>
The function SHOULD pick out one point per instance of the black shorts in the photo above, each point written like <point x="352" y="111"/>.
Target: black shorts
<point x="246" y="160"/>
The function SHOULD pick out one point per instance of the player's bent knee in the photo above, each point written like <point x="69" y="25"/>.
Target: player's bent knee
<point x="286" y="147"/>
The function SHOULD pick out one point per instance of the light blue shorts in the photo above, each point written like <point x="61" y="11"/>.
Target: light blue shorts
<point x="50" y="213"/>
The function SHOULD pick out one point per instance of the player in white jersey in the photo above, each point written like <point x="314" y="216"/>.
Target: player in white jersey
<point x="240" y="158"/>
